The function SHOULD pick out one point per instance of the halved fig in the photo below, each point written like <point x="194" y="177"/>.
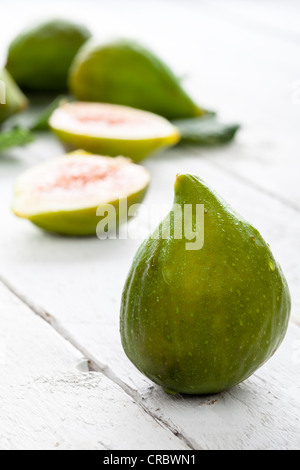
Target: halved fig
<point x="66" y="195"/>
<point x="112" y="130"/>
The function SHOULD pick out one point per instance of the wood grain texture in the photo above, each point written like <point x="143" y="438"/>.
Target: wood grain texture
<point x="49" y="399"/>
<point x="246" y="72"/>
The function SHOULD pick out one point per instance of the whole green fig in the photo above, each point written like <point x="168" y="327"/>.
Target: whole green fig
<point x="199" y="321"/>
<point x="124" y="72"/>
<point x="39" y="58"/>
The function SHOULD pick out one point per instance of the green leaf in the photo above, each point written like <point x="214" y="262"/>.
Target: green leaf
<point x="205" y="131"/>
<point x="15" y="137"/>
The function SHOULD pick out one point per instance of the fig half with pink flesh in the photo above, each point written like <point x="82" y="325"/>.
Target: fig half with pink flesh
<point x="70" y="195"/>
<point x="113" y="130"/>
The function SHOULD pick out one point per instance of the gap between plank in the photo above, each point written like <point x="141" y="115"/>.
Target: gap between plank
<point x="249" y="182"/>
<point x="93" y="364"/>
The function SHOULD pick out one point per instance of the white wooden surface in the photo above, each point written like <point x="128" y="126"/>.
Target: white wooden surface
<point x="50" y="400"/>
<point x="242" y="59"/>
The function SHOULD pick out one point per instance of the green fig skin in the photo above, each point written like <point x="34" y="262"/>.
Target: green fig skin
<point x="200" y="322"/>
<point x="16" y="101"/>
<point x="137" y="150"/>
<point x="84" y="222"/>
<point x="124" y="72"/>
<point x="39" y="58"/>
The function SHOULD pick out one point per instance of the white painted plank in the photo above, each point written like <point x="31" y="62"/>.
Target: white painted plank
<point x="75" y="280"/>
<point x="275" y="17"/>
<point x="254" y="79"/>
<point x="79" y="283"/>
<point x="47" y="402"/>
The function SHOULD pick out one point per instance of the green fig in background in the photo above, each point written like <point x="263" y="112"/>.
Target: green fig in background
<point x="124" y="72"/>
<point x="39" y="58"/>
<point x="64" y="195"/>
<point x="199" y="321"/>
<point x="113" y="130"/>
<point x="12" y="99"/>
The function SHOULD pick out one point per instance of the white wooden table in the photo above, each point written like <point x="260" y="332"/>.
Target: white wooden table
<point x="65" y="382"/>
